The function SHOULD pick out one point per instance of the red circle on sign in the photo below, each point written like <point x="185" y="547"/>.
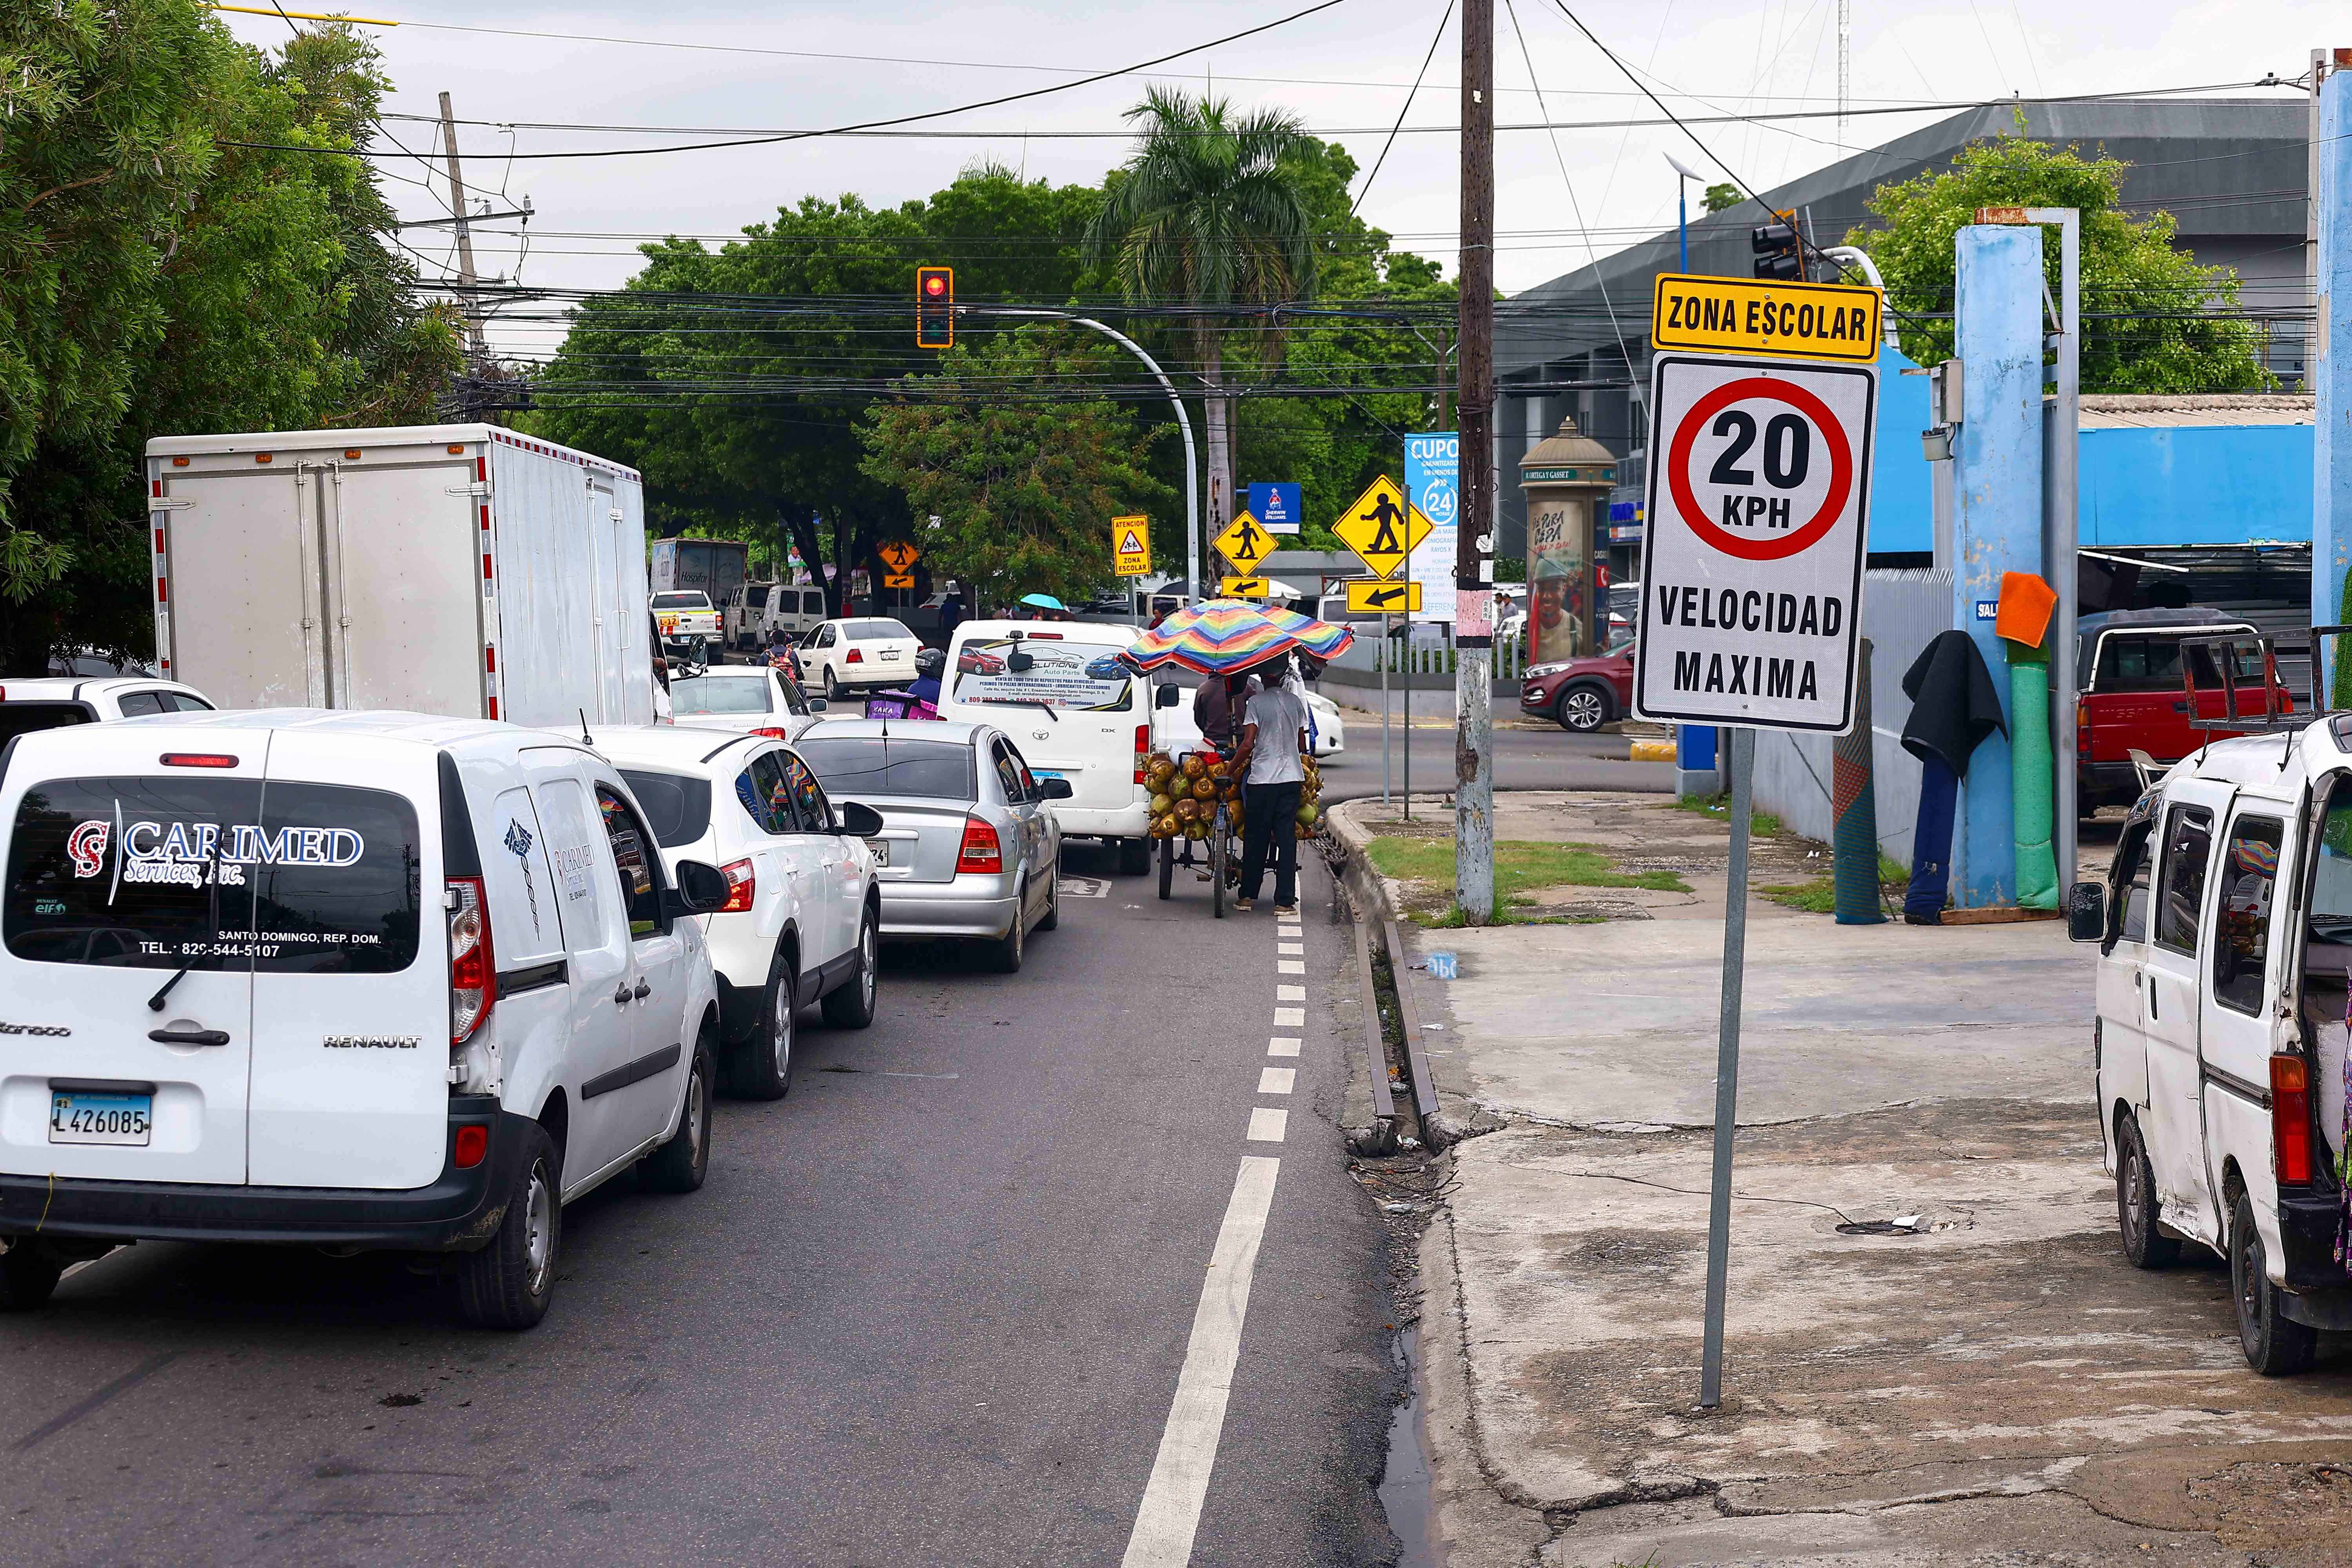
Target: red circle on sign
<point x="1833" y="440"/>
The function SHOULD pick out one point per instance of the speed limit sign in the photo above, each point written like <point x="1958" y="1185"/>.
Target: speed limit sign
<point x="1758" y="517"/>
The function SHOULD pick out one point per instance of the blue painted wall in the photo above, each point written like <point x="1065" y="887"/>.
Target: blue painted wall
<point x="2202" y="484"/>
<point x="1902" y="502"/>
<point x="2330" y="472"/>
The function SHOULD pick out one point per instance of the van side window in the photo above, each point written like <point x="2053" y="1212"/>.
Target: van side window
<point x="2330" y="928"/>
<point x="2135" y="863"/>
<point x="2249" y="874"/>
<point x="632" y="852"/>
<point x="2188" y="845"/>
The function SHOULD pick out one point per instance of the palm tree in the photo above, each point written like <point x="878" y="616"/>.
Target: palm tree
<point x="1208" y="215"/>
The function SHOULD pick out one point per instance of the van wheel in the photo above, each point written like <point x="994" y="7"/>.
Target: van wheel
<point x="763" y="1067"/>
<point x="1134" y="856"/>
<point x="2144" y="1245"/>
<point x="851" y="1006"/>
<point x="679" y="1165"/>
<point x="508" y="1283"/>
<point x="2275" y="1346"/>
<point x="28" y="1273"/>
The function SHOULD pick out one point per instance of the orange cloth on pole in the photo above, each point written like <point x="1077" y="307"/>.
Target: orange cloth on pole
<point x="2026" y="604"/>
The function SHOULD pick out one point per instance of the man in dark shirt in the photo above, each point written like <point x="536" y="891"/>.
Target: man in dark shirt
<point x="1218" y="706"/>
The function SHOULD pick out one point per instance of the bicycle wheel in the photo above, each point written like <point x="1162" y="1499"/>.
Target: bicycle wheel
<point x="1217" y="858"/>
<point x="1167" y="863"/>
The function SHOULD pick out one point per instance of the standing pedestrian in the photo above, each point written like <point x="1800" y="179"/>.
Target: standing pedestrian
<point x="1273" y="740"/>
<point x="950" y="613"/>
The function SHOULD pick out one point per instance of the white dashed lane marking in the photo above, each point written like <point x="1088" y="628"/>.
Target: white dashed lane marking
<point x="1267" y="1126"/>
<point x="1290" y="966"/>
<point x="1275" y="1080"/>
<point x="1293" y="948"/>
<point x="1290" y="992"/>
<point x="1282" y="1045"/>
<point x="1290" y="1017"/>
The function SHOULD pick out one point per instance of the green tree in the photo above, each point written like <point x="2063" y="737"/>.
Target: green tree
<point x="2154" y="320"/>
<point x="1719" y="197"/>
<point x="1210" y="212"/>
<point x="158" y="277"/>
<point x="1024" y="480"/>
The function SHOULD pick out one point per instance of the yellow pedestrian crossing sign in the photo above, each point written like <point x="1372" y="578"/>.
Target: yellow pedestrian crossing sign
<point x="1380" y="527"/>
<point x="1244" y="542"/>
<point x="1382" y="596"/>
<point x="1242" y="588"/>
<point x="1131" y="546"/>
<point x="898" y="556"/>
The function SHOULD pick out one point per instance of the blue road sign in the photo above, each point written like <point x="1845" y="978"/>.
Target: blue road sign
<point x="1276" y="507"/>
<point x="1433" y="465"/>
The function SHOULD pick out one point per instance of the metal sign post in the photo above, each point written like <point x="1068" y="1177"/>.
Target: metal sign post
<point x="1388" y="657"/>
<point x="1742" y="764"/>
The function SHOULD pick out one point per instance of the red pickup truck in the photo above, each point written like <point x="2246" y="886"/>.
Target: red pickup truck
<point x="2132" y="697"/>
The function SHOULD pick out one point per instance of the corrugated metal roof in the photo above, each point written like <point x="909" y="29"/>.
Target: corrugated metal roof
<point x="2116" y="411"/>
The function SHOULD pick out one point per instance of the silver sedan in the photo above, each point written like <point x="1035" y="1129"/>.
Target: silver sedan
<point x="969" y="849"/>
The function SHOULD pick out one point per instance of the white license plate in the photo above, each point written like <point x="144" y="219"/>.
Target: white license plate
<point x="78" y="1116"/>
<point x="881" y="848"/>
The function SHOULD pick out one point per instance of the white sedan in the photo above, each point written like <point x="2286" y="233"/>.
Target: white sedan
<point x="863" y="653"/>
<point x="754" y="699"/>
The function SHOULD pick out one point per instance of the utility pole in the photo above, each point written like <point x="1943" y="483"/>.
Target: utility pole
<point x="1845" y="61"/>
<point x="477" y="353"/>
<point x="1474" y="551"/>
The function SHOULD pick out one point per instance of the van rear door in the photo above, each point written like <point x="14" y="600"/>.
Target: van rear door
<point x="126" y="954"/>
<point x="351" y="985"/>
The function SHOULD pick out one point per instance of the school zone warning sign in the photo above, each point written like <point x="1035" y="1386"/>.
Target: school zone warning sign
<point x="1758" y="512"/>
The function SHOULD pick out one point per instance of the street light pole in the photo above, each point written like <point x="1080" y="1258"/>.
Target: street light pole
<point x="1183" y="423"/>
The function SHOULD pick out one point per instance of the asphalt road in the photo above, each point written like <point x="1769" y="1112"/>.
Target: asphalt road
<point x="933" y="1307"/>
<point x="1549" y="758"/>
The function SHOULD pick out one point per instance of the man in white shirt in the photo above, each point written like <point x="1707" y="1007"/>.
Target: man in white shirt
<point x="1274" y="742"/>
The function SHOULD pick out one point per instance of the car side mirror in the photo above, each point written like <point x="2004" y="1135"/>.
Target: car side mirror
<point x="701" y="889"/>
<point x="1167" y="697"/>
<point x="816" y="704"/>
<point x="1054" y="789"/>
<point x="2086" y="911"/>
<point x="858" y="819"/>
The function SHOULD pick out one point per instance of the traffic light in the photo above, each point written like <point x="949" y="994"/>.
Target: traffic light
<point x="935" y="306"/>
<point x="1776" y="251"/>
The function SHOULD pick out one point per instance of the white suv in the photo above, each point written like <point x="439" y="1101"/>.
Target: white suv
<point x="343" y="980"/>
<point x="55" y="702"/>
<point x="803" y="916"/>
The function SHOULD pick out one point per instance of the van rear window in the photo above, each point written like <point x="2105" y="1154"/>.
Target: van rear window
<point x="154" y="873"/>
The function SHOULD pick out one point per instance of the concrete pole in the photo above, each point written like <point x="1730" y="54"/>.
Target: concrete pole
<point x="2062" y="538"/>
<point x="1473" y="556"/>
<point x="1996" y="511"/>
<point x="2330" y="372"/>
<point x="466" y="276"/>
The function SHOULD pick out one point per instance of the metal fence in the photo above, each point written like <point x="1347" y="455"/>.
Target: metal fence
<point x="1430" y="652"/>
<point x="1902" y="612"/>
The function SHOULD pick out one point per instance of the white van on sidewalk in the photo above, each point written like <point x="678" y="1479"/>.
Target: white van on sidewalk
<point x="370" y="981"/>
<point x="2218" y="1048"/>
<point x="1075" y="715"/>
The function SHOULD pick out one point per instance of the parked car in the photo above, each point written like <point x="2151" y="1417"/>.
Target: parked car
<point x="1081" y="718"/>
<point x="1582" y="694"/>
<point x="689" y="625"/>
<point x="2133" y="700"/>
<point x="342" y="980"/>
<point x="968" y="847"/>
<point x="759" y="699"/>
<point x="2217" y="1042"/>
<point x="863" y="653"/>
<point x="52" y="702"/>
<point x="803" y="915"/>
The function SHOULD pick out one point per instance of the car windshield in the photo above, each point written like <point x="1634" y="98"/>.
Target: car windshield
<point x="867" y="631"/>
<point x="678" y="807"/>
<point x="1058" y="674"/>
<point x="681" y="601"/>
<point x="158" y="873"/>
<point x="865" y="765"/>
<point x="701" y="694"/>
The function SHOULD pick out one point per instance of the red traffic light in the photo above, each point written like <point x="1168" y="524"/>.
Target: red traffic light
<point x="935" y="306"/>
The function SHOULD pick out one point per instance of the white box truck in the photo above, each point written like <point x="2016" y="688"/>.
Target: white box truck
<point x="456" y="569"/>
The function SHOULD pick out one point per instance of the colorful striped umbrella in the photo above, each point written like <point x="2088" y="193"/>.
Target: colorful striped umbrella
<point x="1228" y="634"/>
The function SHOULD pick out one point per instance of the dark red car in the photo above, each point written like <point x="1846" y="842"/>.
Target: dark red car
<point x="1582" y="694"/>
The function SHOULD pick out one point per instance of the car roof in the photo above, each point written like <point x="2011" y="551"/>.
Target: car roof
<point x="945" y="729"/>
<point x="466" y="738"/>
<point x="729" y="672"/>
<point x="71" y="688"/>
<point x="666" y="745"/>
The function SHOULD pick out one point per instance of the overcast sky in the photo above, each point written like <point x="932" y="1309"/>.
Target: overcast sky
<point x="1344" y="71"/>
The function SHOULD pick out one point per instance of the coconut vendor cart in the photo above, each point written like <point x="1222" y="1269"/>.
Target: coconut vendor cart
<point x="1198" y="796"/>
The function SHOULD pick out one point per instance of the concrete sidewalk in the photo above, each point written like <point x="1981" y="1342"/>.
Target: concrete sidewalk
<point x="1997" y="1386"/>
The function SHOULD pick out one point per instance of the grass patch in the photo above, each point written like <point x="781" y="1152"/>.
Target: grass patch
<point x="1521" y="866"/>
<point x="1760" y="823"/>
<point x="1818" y="895"/>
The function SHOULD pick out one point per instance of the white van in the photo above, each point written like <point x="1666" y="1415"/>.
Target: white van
<point x="347" y="980"/>
<point x="2219" y="1043"/>
<point x="1052" y="687"/>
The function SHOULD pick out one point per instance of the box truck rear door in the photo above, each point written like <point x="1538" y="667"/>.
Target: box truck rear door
<point x="350" y="1055"/>
<point x="127" y="881"/>
<point x="408" y="585"/>
<point x="243" y="604"/>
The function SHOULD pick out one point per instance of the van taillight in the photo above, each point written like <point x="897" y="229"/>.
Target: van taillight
<point x="473" y="974"/>
<point x="1142" y="750"/>
<point x="196" y="760"/>
<point x="980" y="850"/>
<point x="741" y="887"/>
<point x="2290" y="1120"/>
